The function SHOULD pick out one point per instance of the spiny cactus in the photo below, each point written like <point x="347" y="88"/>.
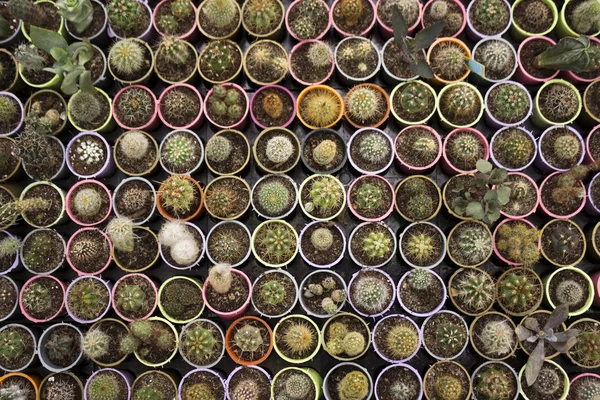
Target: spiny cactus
<point x="36" y="298"/>
<point x="30" y="57"/>
<point x="518" y="291"/>
<point x="351" y="11"/>
<point x="105" y="385"/>
<point x="494" y="384"/>
<point x="497" y="57"/>
<point x="448" y="387"/>
<point x="135" y="106"/>
<point x="178" y="149"/>
<point x="354" y="386"/>
<point x="372" y="294"/>
<point x="9" y="246"/>
<point x="449" y="61"/>
<point x="548" y="381"/>
<point x="8" y="108"/>
<point x="326" y="195"/>
<point x="586" y="17"/>
<point x="279" y="149"/>
<point x="570" y="292"/>
<point x="124" y="14"/>
<point x="179" y="295"/>
<point x="146" y="336"/>
<point x="376" y="245"/>
<point x="199" y="343"/>
<point x="221" y="199"/>
<point x="220" y="278"/>
<point x="364" y="104"/>
<point x="178" y="106"/>
<point x="517" y="147"/>
<point x="11" y="344"/>
<point x="84" y="250"/>
<point x="59" y="347"/>
<point x="88" y="298"/>
<point x="220" y="13"/>
<point x="491" y="15"/>
<point x="519" y="242"/>
<point x="590" y="390"/>
<point x="260" y="14"/>
<point x="226" y="246"/>
<point x="248" y="339"/>
<point x="308" y="11"/>
<point x="320" y="108"/>
<point x="217" y="56"/>
<point x="299" y="338"/>
<point x="354" y="344"/>
<point x="449" y="337"/>
<point x="567" y="148"/>
<point x="272" y="292"/>
<point x="460" y="103"/>
<point x="177" y="193"/>
<point x="466" y="147"/>
<point x="319" y="54"/>
<point x="475" y="290"/>
<point x="173" y="50"/>
<point x="218" y="149"/>
<point x="9" y="212"/>
<point x="95" y="343"/>
<point x="401" y="340"/>
<point x="276" y="242"/>
<point x="87" y="202"/>
<point x="415" y="98"/>
<point x="224" y="102"/>
<point x="86" y="107"/>
<point x="200" y="391"/>
<point x="168" y="24"/>
<point x="134" y="145"/>
<point x="368" y="197"/>
<point x="120" y="231"/>
<point x="374" y="147"/>
<point x="274" y="197"/>
<point x="148" y="392"/>
<point x="27" y="11"/>
<point x="420" y="279"/>
<point x="321" y="239"/>
<point x="474" y="245"/>
<point x="587" y="347"/>
<point x="325" y="152"/>
<point x="131" y="298"/>
<point x="497" y="338"/>
<point x="272" y="105"/>
<point x="127" y="57"/>
<point x="421" y="248"/>
<point x="297" y="386"/>
<point x="558" y="103"/>
<point x="511" y="103"/>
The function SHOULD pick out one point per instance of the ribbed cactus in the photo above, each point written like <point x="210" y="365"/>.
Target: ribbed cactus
<point x="558" y="103"/>
<point x="449" y="337"/>
<point x="124" y="14"/>
<point x="401" y="340"/>
<point x="85" y="107"/>
<point x="363" y="104"/>
<point x="279" y="149"/>
<point x="174" y="51"/>
<point x="276" y="242"/>
<point x="368" y="197"/>
<point x="374" y="148"/>
<point x="475" y="290"/>
<point x="319" y="54"/>
<point x="226" y="246"/>
<point x="351" y="11"/>
<point x="474" y="245"/>
<point x="220" y="13"/>
<point x="518" y="291"/>
<point x="178" y="149"/>
<point x="354" y="386"/>
<point x="272" y="292"/>
<point x="320" y="108"/>
<point x="217" y="56"/>
<point x="218" y="149"/>
<point x="11" y="344"/>
<point x="79" y="12"/>
<point x="376" y="245"/>
<point x="199" y="343"/>
<point x="248" y="339"/>
<point x="182" y="9"/>
<point x="460" y="103"/>
<point x="420" y="207"/>
<point x="260" y="15"/>
<point x="517" y="147"/>
<point x="131" y="298"/>
<point x="494" y="384"/>
<point x="421" y="248"/>
<point x="272" y="105"/>
<point x="274" y="197"/>
<point x="548" y="381"/>
<point x="325" y="194"/>
<point x="415" y="98"/>
<point x="104" y="386"/>
<point x="519" y="242"/>
<point x="127" y="57"/>
<point x="299" y="338"/>
<point x="587" y="347"/>
<point x="88" y="298"/>
<point x="168" y="24"/>
<point x="177" y="193"/>
<point x="511" y="103"/>
<point x="498" y="338"/>
<point x="497" y="57"/>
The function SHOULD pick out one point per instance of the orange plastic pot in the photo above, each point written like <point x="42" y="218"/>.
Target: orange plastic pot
<point x="163" y="212"/>
<point x="438" y="80"/>
<point x="229" y="339"/>
<point x="385" y="97"/>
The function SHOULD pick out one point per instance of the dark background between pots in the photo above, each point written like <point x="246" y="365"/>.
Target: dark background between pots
<point x="322" y="362"/>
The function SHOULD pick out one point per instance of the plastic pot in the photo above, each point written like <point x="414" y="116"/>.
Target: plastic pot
<point x="306" y="260"/>
<point x="539" y="119"/>
<point x="349" y="315"/>
<point x="43" y="353"/>
<point x="486" y="81"/>
<point x="30" y="281"/>
<point x="308" y="214"/>
<point x="371" y="266"/>
<point x="160" y="306"/>
<point x="521" y="75"/>
<point x="300" y="81"/>
<point x="146" y="77"/>
<point x="304" y="93"/>
<point x="221" y="338"/>
<point x="192" y="35"/>
<point x="241" y="124"/>
<point x="356" y="367"/>
<point x="481" y="224"/>
<point x="447" y="165"/>
<point x="565" y="380"/>
<point x="378" y="351"/>
<point x="497" y="164"/>
<point x="29" y="269"/>
<point x="311" y="373"/>
<point x="126" y="376"/>
<point x="200" y="256"/>
<point x="20" y="110"/>
<point x="146" y="36"/>
<point x="199" y="118"/>
<point x="497" y="252"/>
<point x="454" y="294"/>
<point x="443" y="244"/>
<point x="354" y="277"/>
<point x="591" y="207"/>
<point x="69" y="200"/>
<point x="16" y="84"/>
<point x="233" y="314"/>
<point x="291" y="32"/>
<point x="101" y="37"/>
<point x="291" y="277"/>
<point x="588" y="303"/>
<point x="152" y="124"/>
<point x="492" y="121"/>
<point x="448" y="125"/>
<point x="439" y="80"/>
<point x="198" y="141"/>
<point x="12" y="313"/>
<point x="61" y="28"/>
<point x="475" y="35"/>
<point x="520" y="34"/>
<point x="279" y="88"/>
<point x="473" y="342"/>
<point x="106" y="127"/>
<point x="386" y="74"/>
<point x="588" y="118"/>
<point x="417" y="314"/>
<point x="17" y="172"/>
<point x="546" y="212"/>
<point x="462" y="11"/>
<point x="229" y="339"/>
<point x="387" y="105"/>
<point x="54" y="83"/>
<point x="255" y="250"/>
<point x="357" y="214"/>
<point x="564" y="29"/>
<point x="418" y="396"/>
<point x="80" y="273"/>
<point x="165" y="214"/>
<point x="114" y="298"/>
<point x="344" y="78"/>
<point x="462" y="350"/>
<point x="107" y="285"/>
<point x="244" y="227"/>
<point x="343" y="34"/>
<point x="290" y="211"/>
<point x="439" y="194"/>
<point x="306" y="309"/>
<point x="15" y="37"/>
<point x="173" y="354"/>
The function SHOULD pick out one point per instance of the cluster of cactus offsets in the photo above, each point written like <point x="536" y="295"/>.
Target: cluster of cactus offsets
<point x="373" y="294"/>
<point x="89" y="297"/>
<point x="33" y="147"/>
<point x="490" y="14"/>
<point x="325" y="194"/>
<point x="420" y="279"/>
<point x="460" y="102"/>
<point x="272" y="105"/>
<point x="325" y="152"/>
<point x="587" y="347"/>
<point x="570" y="292"/>
<point x="134" y="145"/>
<point x="449" y="337"/>
<point x="494" y="384"/>
<point x="279" y="149"/>
<point x="474" y="245"/>
<point x="223" y="102"/>
<point x="518" y="291"/>
<point x="497" y="56"/>
<point x="274" y="197"/>
<point x="547" y="382"/>
<point x="272" y="292"/>
<point x="519" y="242"/>
<point x="95" y="343"/>
<point x="217" y="55"/>
<point x="368" y="197"/>
<point x="174" y="50"/>
<point x="36" y="298"/>
<point x="374" y="147"/>
<point x="475" y="290"/>
<point x="354" y="386"/>
<point x="127" y="57"/>
<point x="262" y="57"/>
<point x="364" y="103"/>
<point x="415" y="98"/>
<point x="199" y="391"/>
<point x="511" y="102"/>
<point x="449" y="61"/>
<point x="319" y="54"/>
<point x="320" y="108"/>
<point x="420" y="205"/>
<point x="260" y="14"/>
<point x="85" y="107"/>
<point x="220" y="13"/>
<point x="218" y="149"/>
<point x="89" y="151"/>
<point x="145" y="335"/>
<point x="401" y="341"/>
<point x="178" y="194"/>
<point x="447" y="387"/>
<point x="297" y="386"/>
<point x="498" y="338"/>
<point x="179" y="149"/>
<point x="11" y="344"/>
<point x="299" y="338"/>
<point x="322" y="239"/>
<point x="567" y="147"/>
<point x="248" y="339"/>
<point x="376" y="245"/>
<point x="220" y="278"/>
<point x="537" y="15"/>
<point x="277" y="243"/>
<point x="124" y="14"/>
<point x="308" y="10"/>
<point x="131" y="298"/>
<point x="341" y="340"/>
<point x="421" y="248"/>
<point x="104" y="386"/>
<point x="179" y="297"/>
<point x="586" y="17"/>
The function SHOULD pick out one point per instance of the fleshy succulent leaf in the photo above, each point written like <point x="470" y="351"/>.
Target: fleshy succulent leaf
<point x="571" y="54"/>
<point x="558" y="316"/>
<point x="46" y="39"/>
<point x="425" y="37"/>
<point x="400" y="28"/>
<point x="483" y="166"/>
<point x="522" y="333"/>
<point x="534" y="363"/>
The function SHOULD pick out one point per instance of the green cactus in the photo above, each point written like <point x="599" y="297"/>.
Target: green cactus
<point x="326" y="195"/>
<point x="79" y="12"/>
<point x="127" y="57"/>
<point x="95" y="343"/>
<point x="511" y="103"/>
<point x="199" y="391"/>
<point x="299" y="338"/>
<point x="260" y="14"/>
<point x="218" y="149"/>
<point x="368" y="197"/>
<point x="297" y="386"/>
<point x="174" y="51"/>
<point x="474" y="245"/>
<point x="586" y="17"/>
<point x="179" y="149"/>
<point x="449" y="337"/>
<point x="11" y="344"/>
<point x="498" y="338"/>
<point x="590" y="391"/>
<point x="274" y="197"/>
<point x="401" y="341"/>
<point x="420" y="279"/>
<point x="364" y="104"/>
<point x="309" y="11"/>
<point x="587" y="347"/>
<point x="421" y="248"/>
<point x="351" y="11"/>
<point x="460" y="104"/>
<point x="475" y="290"/>
<point x="448" y="387"/>
<point x="124" y="14"/>
<point x="354" y="386"/>
<point x="276" y="242"/>
<point x="497" y="57"/>
<point x="319" y="54"/>
<point x="372" y="294"/>
<point x="178" y="296"/>
<point x="518" y="291"/>
<point x="567" y="148"/>
<point x="8" y="108"/>
<point x="420" y="207"/>
<point x="9" y="246"/>
<point x="105" y="385"/>
<point x="120" y="231"/>
<point x="199" y="343"/>
<point x="220" y="13"/>
<point x="519" y="243"/>
<point x="377" y="245"/>
<point x="449" y="61"/>
<point x="354" y="344"/>
<point x="491" y="15"/>
<point x="272" y="292"/>
<point x="223" y="102"/>
<point x="548" y="381"/>
<point x="168" y="24"/>
<point x="182" y="9"/>
<point x="60" y="347"/>
<point x="493" y="384"/>
<point x="177" y="193"/>
<point x="131" y="298"/>
<point x="86" y="107"/>
<point x="217" y="55"/>
<point x="248" y="339"/>
<point x="88" y="298"/>
<point x="321" y="239"/>
<point x="415" y="98"/>
<point x="517" y="146"/>
<point x="149" y="392"/>
<point x="324" y="153"/>
<point x="146" y="336"/>
<point x="374" y="147"/>
<point x="36" y="298"/>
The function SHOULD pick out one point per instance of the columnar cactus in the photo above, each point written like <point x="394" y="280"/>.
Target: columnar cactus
<point x="220" y="278"/>
<point x="354" y="386"/>
<point x="363" y="104"/>
<point x="120" y="231"/>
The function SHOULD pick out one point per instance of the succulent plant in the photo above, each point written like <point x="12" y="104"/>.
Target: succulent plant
<point x="259" y="15"/>
<point x="131" y="298"/>
<point x="180" y="106"/>
<point x="511" y="103"/>
<point x="460" y="103"/>
<point x="570" y="292"/>
<point x="199" y="343"/>
<point x="321" y="239"/>
<point x="277" y="242"/>
<point x="274" y="197"/>
<point x="269" y="58"/>
<point x="473" y="245"/>
<point x="518" y="291"/>
<point x="571" y="54"/>
<point x="8" y="108"/>
<point x="178" y="296"/>
<point x="320" y="108"/>
<point x="279" y="149"/>
<point x="493" y="384"/>
<point x="475" y="290"/>
<point x="126" y="57"/>
<point x="59" y="347"/>
<point x="547" y="382"/>
<point x="299" y="338"/>
<point x="368" y="197"/>
<point x="448" y="387"/>
<point x="421" y="248"/>
<point x="88" y="298"/>
<point x="177" y="193"/>
<point x="272" y="292"/>
<point x="124" y="14"/>
<point x="569" y="185"/>
<point x="372" y="294"/>
<point x="519" y="242"/>
<point x="86" y="107"/>
<point x="354" y="386"/>
<point x="326" y="194"/>
<point x="517" y="147"/>
<point x="449" y="336"/>
<point x="297" y="385"/>
<point x="587" y="347"/>
<point x="497" y="57"/>
<point x="9" y="246"/>
<point x="174" y="51"/>
<point x="415" y="98"/>
<point x="376" y="245"/>
<point x="134" y="145"/>
<point x="319" y="54"/>
<point x="324" y="153"/>
<point x="217" y="56"/>
<point x="104" y="386"/>
<point x="218" y="148"/>
<point x="308" y="11"/>
<point x="120" y="231"/>
<point x="220" y="13"/>
<point x="11" y="344"/>
<point x="497" y="338"/>
<point x="36" y="298"/>
<point x="272" y="105"/>
<point x="248" y="339"/>
<point x="419" y="279"/>
<point x="354" y="344"/>
<point x="401" y="340"/>
<point x="374" y="147"/>
<point x="491" y="15"/>
<point x="226" y="246"/>
<point x="586" y="17"/>
<point x="78" y="12"/>
<point x="351" y="11"/>
<point x="9" y="212"/>
<point x="145" y="336"/>
<point x="364" y="104"/>
<point x="95" y="343"/>
<point x="559" y="103"/>
<point x="564" y="239"/>
<point x="199" y="391"/>
<point x="220" y="278"/>
<point x="223" y="102"/>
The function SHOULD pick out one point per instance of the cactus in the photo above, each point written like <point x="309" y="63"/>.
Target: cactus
<point x="9" y="212"/>
<point x="377" y="245"/>
<point x="587" y="347"/>
<point x="104" y="386"/>
<point x="59" y="347"/>
<point x="90" y="152"/>
<point x="272" y="105"/>
<point x="220" y="277"/>
<point x="168" y="24"/>
<point x="182" y="9"/>
<point x="325" y="194"/>
<point x="474" y="245"/>
<point x="36" y="298"/>
<point x="221" y="199"/>
<point x="448" y="387"/>
<point x="586" y="17"/>
<point x="274" y="197"/>
<point x="199" y="391"/>
<point x="180" y="106"/>
<point x="497" y="338"/>
<point x="570" y="292"/>
<point x="319" y="55"/>
<point x="11" y="344"/>
<point x="82" y="251"/>
<point x="415" y="98"/>
<point x="519" y="242"/>
<point x="272" y="292"/>
<point x="558" y="103"/>
<point x="321" y="239"/>
<point x="368" y="197"/>
<point x="493" y="384"/>
<point x="320" y="108"/>
<point x="149" y="392"/>
<point x="324" y="153"/>
<point x="422" y="248"/>
<point x="226" y="247"/>
<point x="297" y="386"/>
<point x="511" y="103"/>
<point x="259" y="15"/>
<point x="218" y="149"/>
<point x="276" y="242"/>
<point x="308" y="11"/>
<point x="279" y="149"/>
<point x="26" y="11"/>
<point x="401" y="341"/>
<point x="460" y="103"/>
<point x="354" y="386"/>
<point x="248" y="339"/>
<point x="120" y="231"/>
<point x="449" y="337"/>
<point x="351" y="11"/>
<point x="374" y="148"/>
<point x="515" y="144"/>
<point x="299" y="338"/>
<point x="403" y="390"/>
<point x="372" y="294"/>
<point x="590" y="390"/>
<point x="9" y="246"/>
<point x="135" y="106"/>
<point x="177" y="193"/>
<point x="567" y="148"/>
<point x="95" y="343"/>
<point x="220" y="13"/>
<point x="491" y="15"/>
<point x="420" y="207"/>
<point x="547" y="382"/>
<point x="79" y="12"/>
<point x="475" y="290"/>
<point x="88" y="298"/>
<point x="364" y="104"/>
<point x="178" y="296"/>
<point x="449" y="61"/>
<point x="199" y="343"/>
<point x="87" y="202"/>
<point x="131" y="298"/>
<point x="85" y="107"/>
<point x="30" y="57"/>
<point x="147" y="335"/>
<point x="223" y="102"/>
<point x="127" y="57"/>
<point x="174" y="51"/>
<point x="178" y="149"/>
<point x="420" y="279"/>
<point x="565" y="239"/>
<point x="518" y="291"/>
<point x="134" y="145"/>
<point x="8" y="108"/>
<point x="497" y="57"/>
<point x="124" y="14"/>
<point x="354" y="344"/>
<point x="185" y="252"/>
<point x="217" y="56"/>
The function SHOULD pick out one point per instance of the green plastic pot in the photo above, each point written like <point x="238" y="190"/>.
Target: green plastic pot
<point x="444" y="122"/>
<point x="162" y="310"/>
<point x="548" y="278"/>
<point x="63" y="215"/>
<point x="108" y="125"/>
<point x="255" y="252"/>
<point x="62" y="30"/>
<point x="312" y="374"/>
<point x="519" y="34"/>
<point x="299" y="360"/>
<point x="53" y="83"/>
<point x="403" y="123"/>
<point x="565" y="380"/>
<point x="542" y="122"/>
<point x="146" y="76"/>
<point x="157" y="365"/>
<point x="562" y="27"/>
<point x="309" y="215"/>
<point x="31" y="99"/>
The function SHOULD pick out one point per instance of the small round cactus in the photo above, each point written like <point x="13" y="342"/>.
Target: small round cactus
<point x="324" y="153"/>
<point x="518" y="291"/>
<point x="570" y="292"/>
<point x="124" y="14"/>
<point x="127" y="57"/>
<point x="178" y="149"/>
<point x="297" y="386"/>
<point x="326" y="195"/>
<point x="104" y="386"/>
<point x="272" y="105"/>
<point x="85" y="107"/>
<point x="420" y="279"/>
<point x="274" y="197"/>
<point x="299" y="338"/>
<point x="248" y="339"/>
<point x="272" y="292"/>
<point x="460" y="103"/>
<point x="448" y="387"/>
<point x="585" y="18"/>
<point x="354" y="386"/>
<point x="185" y="252"/>
<point x="87" y="202"/>
<point x="259" y="15"/>
<point x="279" y="149"/>
<point x="351" y="11"/>
<point x="474" y="245"/>
<point x="276" y="242"/>
<point x="497" y="57"/>
<point x="367" y="197"/>
<point x="174" y="50"/>
<point x="198" y="343"/>
<point x="511" y="103"/>
<point x="364" y="104"/>
<point x="120" y="231"/>
<point x="131" y="298"/>
<point x="421" y="248"/>
<point x="134" y="145"/>
<point x="493" y="384"/>
<point x="567" y="148"/>
<point x="320" y="108"/>
<point x="374" y="148"/>
<point x="95" y="343"/>
<point x="178" y="193"/>
<point x="376" y="245"/>
<point x="200" y="391"/>
<point x="220" y="13"/>
<point x="220" y="278"/>
<point x="401" y="341"/>
<point x="218" y="149"/>
<point x="497" y="338"/>
<point x="449" y="61"/>
<point x="548" y="381"/>
<point x="354" y="344"/>
<point x="372" y="294"/>
<point x="415" y="98"/>
<point x="321" y="239"/>
<point x="319" y="54"/>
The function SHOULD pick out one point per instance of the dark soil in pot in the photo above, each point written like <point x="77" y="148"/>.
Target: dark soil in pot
<point x="116" y="332"/>
<point x="7" y="126"/>
<point x="529" y="52"/>
<point x="282" y="331"/>
<point x="592" y="102"/>
<point x="171" y="148"/>
<point x="480" y="380"/>
<point x="522" y="16"/>
<point x="395" y="63"/>
<point x="94" y="249"/>
<point x="61" y="384"/>
<point x="10" y="160"/>
<point x="380" y="189"/>
<point x="141" y="71"/>
<point x="362" y="233"/>
<point x="123" y="392"/>
<point x="436" y="243"/>
<point x="363" y="163"/>
<point x="485" y="27"/>
<point x="445" y="334"/>
<point x="136" y="166"/>
<point x="421" y="111"/>
<point x="184" y="25"/>
<point x="103" y="207"/>
<point x="289" y="296"/>
<point x="424" y="190"/>
<point x="335" y="378"/>
<point x="453" y="19"/>
<point x="172" y="71"/>
<point x="397" y="377"/>
<point x="52" y="209"/>
<point x="498" y="322"/>
<point x="95" y="65"/>
<point x="558" y="103"/>
<point x="552" y="371"/>
<point x="8" y="297"/>
<point x="569" y="206"/>
<point x="67" y="340"/>
<point x="245" y="376"/>
<point x="541" y="318"/>
<point x="43" y="251"/>
<point x="303" y="14"/>
<point x="28" y="344"/>
<point x="40" y="102"/>
<point x="233" y="299"/>
<point x="167" y="253"/>
<point x="366" y="17"/>
<point x="464" y="298"/>
<point x="535" y="290"/>
<point x="237" y="157"/>
<point x="8" y="64"/>
<point x="548" y="145"/>
<point x="13" y="25"/>
<point x="189" y="351"/>
<point x="261" y="151"/>
<point x="40" y="77"/>
<point x="409" y="150"/>
<point x="149" y="296"/>
<point x="314" y="302"/>
<point x="291" y="195"/>
<point x="88" y="164"/>
<point x="101" y="118"/>
<point x="454" y="247"/>
<point x="503" y="148"/>
<point x="228" y="243"/>
<point x="353" y="323"/>
<point x="145" y="248"/>
<point x="306" y="70"/>
<point x="260" y="351"/>
<point x="388" y="293"/>
<point x="511" y="102"/>
<point x="279" y="385"/>
<point x="88" y="299"/>
<point x="51" y="20"/>
<point x="562" y="286"/>
<point x="422" y="301"/>
<point x="445" y="369"/>
<point x="218" y="32"/>
<point x="355" y="67"/>
<point x="142" y="24"/>
<point x="154" y="355"/>
<point x="226" y="120"/>
<point x="54" y="162"/>
<point x="180" y="106"/>
<point x="157" y="381"/>
<point x="21" y="382"/>
<point x="322" y="257"/>
<point x="98" y="19"/>
<point x="54" y="301"/>
<point x="457" y="158"/>
<point x="134" y="107"/>
<point x="385" y="335"/>
<point x="219" y="73"/>
<point x="229" y="186"/>
<point x="181" y="299"/>
<point x="316" y="138"/>
<point x="266" y="72"/>
<point x="272" y="107"/>
<point x="192" y="208"/>
<point x="493" y="69"/>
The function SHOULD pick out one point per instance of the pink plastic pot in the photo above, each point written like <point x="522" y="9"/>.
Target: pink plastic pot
<point x="523" y="76"/>
<point x="241" y="124"/>
<point x="114" y="296"/>
<point x="596" y="281"/>
<point x="26" y="314"/>
<point x="342" y="34"/>
<point x="497" y="163"/>
<point x="107" y="169"/>
<point x="70" y="194"/>
<point x="410" y="321"/>
<point x="199" y="118"/>
<point x="192" y="36"/>
<point x="149" y="126"/>
<point x="451" y="169"/>
<point x="588" y="159"/>
<point x="416" y="314"/>
<point x="20" y="110"/>
<point x="573" y="78"/>
<point x="81" y="273"/>
<point x="474" y="35"/>
<point x="300" y="81"/>
<point x="382" y="217"/>
<point x="231" y="314"/>
<point x="588" y="374"/>
<point x="497" y="252"/>
<point x="590" y="207"/>
<point x="537" y="203"/>
<point x="202" y="252"/>
<point x="108" y="287"/>
<point x="544" y="211"/>
<point x="281" y="88"/>
<point x="387" y="32"/>
<point x="541" y="162"/>
<point x="357" y="274"/>
<point x="400" y="365"/>
<point x="409" y="169"/>
<point x="462" y="10"/>
<point x="287" y="25"/>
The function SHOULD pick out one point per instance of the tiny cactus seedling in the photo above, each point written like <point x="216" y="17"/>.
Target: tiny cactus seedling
<point x="124" y="14"/>
<point x="104" y="386"/>
<point x="475" y="290"/>
<point x="448" y="387"/>
<point x="354" y="386"/>
<point x="248" y="339"/>
<point x="174" y="50"/>
<point x="177" y="193"/>
<point x="279" y="149"/>
<point x="297" y="386"/>
<point x="372" y="294"/>
<point x="11" y="344"/>
<point x="374" y="148"/>
<point x="449" y="337"/>
<point x="320" y="108"/>
<point x="134" y="145"/>
<point x="95" y="343"/>
<point x="131" y="298"/>
<point x="220" y="13"/>
<point x="220" y="278"/>
<point x="319" y="54"/>
<point x="520" y="242"/>
<point x="586" y="17"/>
<point x="518" y="291"/>
<point x="420" y="279"/>
<point x="218" y="149"/>
<point x="368" y="197"/>
<point x="259" y="15"/>
<point x="199" y="343"/>
<point x="127" y="57"/>
<point x="321" y="239"/>
<point x="272" y="292"/>
<point x="415" y="98"/>
<point x="498" y="338"/>
<point x="326" y="195"/>
<point x="364" y="104"/>
<point x="401" y="341"/>
<point x="354" y="344"/>
<point x="511" y="103"/>
<point x="120" y="231"/>
<point x="493" y="384"/>
<point x="272" y="105"/>
<point x="324" y="153"/>
<point x="299" y="338"/>
<point x="377" y="245"/>
<point x="276" y="242"/>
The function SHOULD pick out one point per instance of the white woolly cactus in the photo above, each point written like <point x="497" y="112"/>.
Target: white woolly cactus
<point x="173" y="232"/>
<point x="279" y="149"/>
<point x="220" y="277"/>
<point x="126" y="57"/>
<point x="87" y="202"/>
<point x="184" y="249"/>
<point x="185" y="252"/>
<point x="120" y="231"/>
<point x="134" y="145"/>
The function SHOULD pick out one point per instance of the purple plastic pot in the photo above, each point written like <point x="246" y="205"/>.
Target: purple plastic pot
<point x="70" y="194"/>
<point x="204" y="370"/>
<point x="199" y="257"/>
<point x="409" y="169"/>
<point x="43" y="352"/>
<point x="277" y="87"/>
<point x="34" y="334"/>
<point x="107" y="169"/>
<point x="544" y="211"/>
<point x="466" y="339"/>
<point x="108" y="287"/>
<point x="475" y="35"/>
<point x="114" y="296"/>
<point x="497" y="253"/>
<point x="232" y="374"/>
<point x="306" y="260"/>
<point x="26" y="314"/>
<point x="80" y="273"/>
<point x="192" y="35"/>
<point x="494" y="123"/>
<point x="146" y="36"/>
<point x="540" y="161"/>
<point x="523" y="76"/>
<point x="21" y="111"/>
<point x="127" y="377"/>
<point x="588" y="154"/>
<point x="416" y="314"/>
<point x="149" y="126"/>
<point x="537" y="202"/>
<point x="451" y="169"/>
<point x="512" y="371"/>
<point x="54" y="267"/>
<point x="230" y="315"/>
<point x="498" y="164"/>
<point x="387" y="32"/>
<point x="356" y="274"/>
<point x="300" y="81"/>
<point x="15" y="263"/>
<point x="405" y="366"/>
<point x="590" y="207"/>
<point x="574" y="78"/>
<point x="287" y="25"/>
<point x="380" y="218"/>
<point x="377" y="350"/>
<point x="199" y="118"/>
<point x="462" y="10"/>
<point x="241" y="124"/>
<point x="342" y="34"/>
